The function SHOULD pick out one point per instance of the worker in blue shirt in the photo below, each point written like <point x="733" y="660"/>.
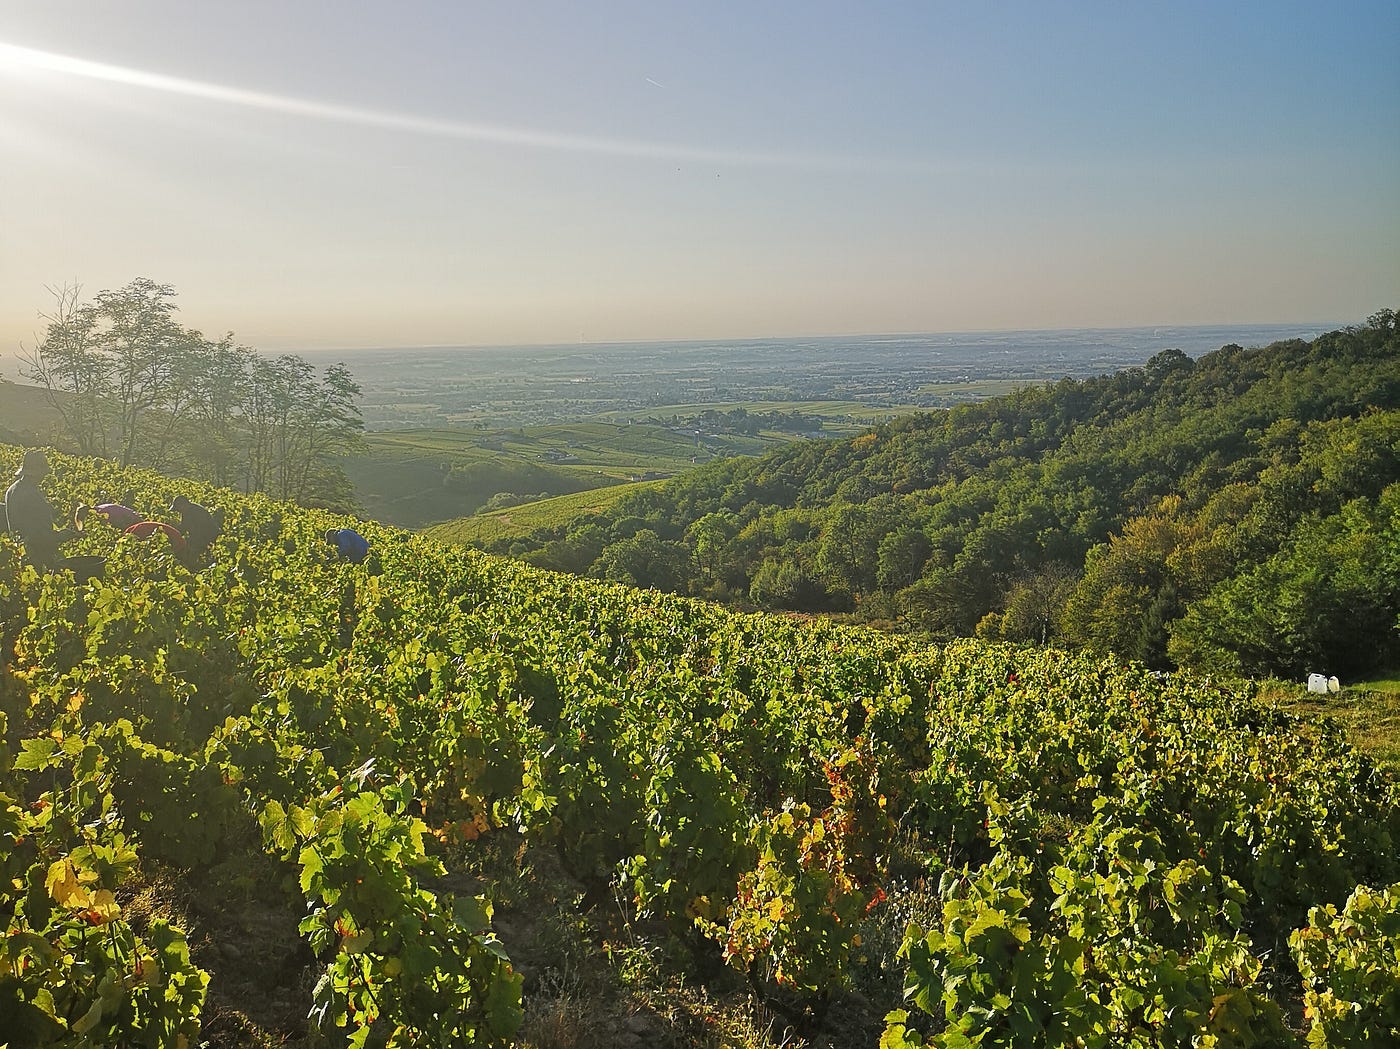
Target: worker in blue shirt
<point x="349" y="544"/>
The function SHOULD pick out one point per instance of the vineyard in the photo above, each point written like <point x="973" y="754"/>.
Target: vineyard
<point x="1028" y="848"/>
<point x="521" y="520"/>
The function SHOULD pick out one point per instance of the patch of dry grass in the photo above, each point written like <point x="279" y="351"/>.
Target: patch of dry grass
<point x="1370" y="718"/>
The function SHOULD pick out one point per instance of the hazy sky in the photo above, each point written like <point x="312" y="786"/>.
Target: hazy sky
<point x="321" y="173"/>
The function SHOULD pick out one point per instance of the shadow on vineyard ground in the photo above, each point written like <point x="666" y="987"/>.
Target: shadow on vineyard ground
<point x="594" y="977"/>
<point x="261" y="971"/>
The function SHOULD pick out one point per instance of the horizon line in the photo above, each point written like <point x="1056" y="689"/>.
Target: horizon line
<point x="1321" y="326"/>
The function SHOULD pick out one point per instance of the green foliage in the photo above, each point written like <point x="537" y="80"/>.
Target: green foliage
<point x="1113" y="947"/>
<point x="1350" y="964"/>
<point x="1326" y="599"/>
<point x="72" y="970"/>
<point x="797" y="910"/>
<point x="796" y="915"/>
<point x="424" y="969"/>
<point x="644" y="559"/>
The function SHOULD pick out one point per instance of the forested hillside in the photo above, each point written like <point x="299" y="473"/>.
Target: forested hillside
<point x="1238" y="512"/>
<point x="437" y="799"/>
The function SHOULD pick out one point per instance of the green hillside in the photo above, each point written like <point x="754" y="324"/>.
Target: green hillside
<point x="439" y="799"/>
<point x="25" y="414"/>
<point x="529" y="517"/>
<point x="415" y="478"/>
<point x="1238" y="513"/>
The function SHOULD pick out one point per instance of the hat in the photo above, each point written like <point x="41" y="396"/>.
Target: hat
<point x="36" y="464"/>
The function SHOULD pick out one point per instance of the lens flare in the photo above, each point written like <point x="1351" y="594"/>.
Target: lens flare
<point x="16" y="58"/>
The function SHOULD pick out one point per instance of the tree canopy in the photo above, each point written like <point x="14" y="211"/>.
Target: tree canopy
<point x="134" y="385"/>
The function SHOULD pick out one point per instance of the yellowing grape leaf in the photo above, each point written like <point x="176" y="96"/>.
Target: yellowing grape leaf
<point x="35" y="754"/>
<point x="63" y="885"/>
<point x="103" y="907"/>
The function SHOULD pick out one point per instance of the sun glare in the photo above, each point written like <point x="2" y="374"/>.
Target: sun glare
<point x="25" y="58"/>
<point x="19" y="61"/>
<point x="28" y="60"/>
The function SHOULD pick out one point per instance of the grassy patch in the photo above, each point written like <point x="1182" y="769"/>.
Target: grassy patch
<point x="1369" y="713"/>
<point x="1385" y="684"/>
<point x="528" y="517"/>
<point x="414" y="478"/>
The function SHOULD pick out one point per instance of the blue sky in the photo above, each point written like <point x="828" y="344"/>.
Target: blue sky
<point x="325" y="174"/>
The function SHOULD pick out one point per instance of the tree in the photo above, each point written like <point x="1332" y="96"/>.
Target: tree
<point x="708" y="538"/>
<point x="644" y="560"/>
<point x="900" y="558"/>
<point x="73" y="373"/>
<point x="140" y="338"/>
<point x="786" y="584"/>
<point x="1035" y="604"/>
<point x="216" y="433"/>
<point x="298" y="427"/>
<point x="1130" y="580"/>
<point x="108" y="365"/>
<point x="1325" y="601"/>
<point x="131" y="383"/>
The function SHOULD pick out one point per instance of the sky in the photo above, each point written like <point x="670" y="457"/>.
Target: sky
<point x="333" y="173"/>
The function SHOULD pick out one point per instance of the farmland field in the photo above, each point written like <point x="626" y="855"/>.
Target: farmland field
<point x="551" y="418"/>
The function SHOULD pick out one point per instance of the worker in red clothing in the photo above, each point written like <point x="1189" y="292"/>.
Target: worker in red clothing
<point x="146" y="529"/>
